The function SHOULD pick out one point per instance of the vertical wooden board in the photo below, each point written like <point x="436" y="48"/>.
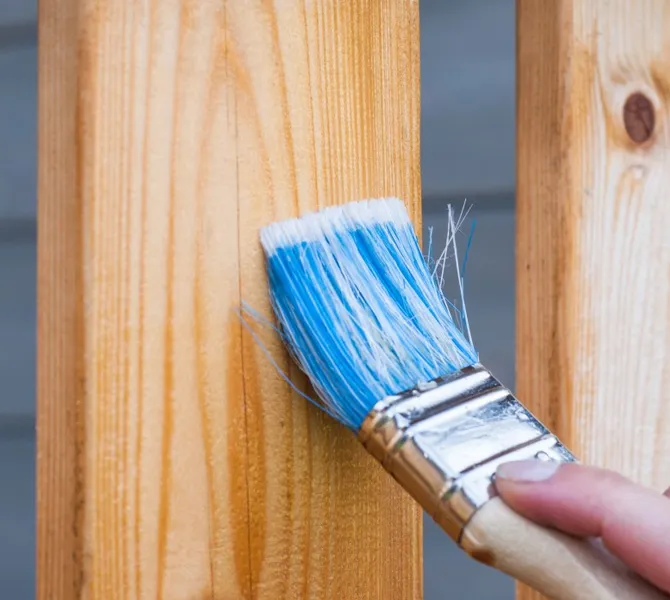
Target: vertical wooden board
<point x="592" y="255"/>
<point x="60" y="321"/>
<point x="136" y="286"/>
<point x="342" y="73"/>
<point x="173" y="461"/>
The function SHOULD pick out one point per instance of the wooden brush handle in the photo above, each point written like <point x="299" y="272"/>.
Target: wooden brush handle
<point x="555" y="564"/>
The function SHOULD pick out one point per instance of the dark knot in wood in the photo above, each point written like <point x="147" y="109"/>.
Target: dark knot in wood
<point x="639" y="117"/>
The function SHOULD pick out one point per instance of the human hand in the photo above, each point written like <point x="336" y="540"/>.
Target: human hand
<point x="632" y="521"/>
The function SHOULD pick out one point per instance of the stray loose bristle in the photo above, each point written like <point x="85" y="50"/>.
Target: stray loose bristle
<point x="358" y="307"/>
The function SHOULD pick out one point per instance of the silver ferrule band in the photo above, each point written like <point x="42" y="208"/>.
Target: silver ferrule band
<point x="443" y="440"/>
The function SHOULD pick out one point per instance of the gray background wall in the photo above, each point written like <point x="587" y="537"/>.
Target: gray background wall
<point x="467" y="150"/>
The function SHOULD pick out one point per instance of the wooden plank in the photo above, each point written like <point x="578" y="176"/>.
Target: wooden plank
<point x="593" y="317"/>
<point x="173" y="460"/>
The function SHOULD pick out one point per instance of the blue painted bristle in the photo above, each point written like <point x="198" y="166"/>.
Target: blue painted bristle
<point x="358" y="306"/>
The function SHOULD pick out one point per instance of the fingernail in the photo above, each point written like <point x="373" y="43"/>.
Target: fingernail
<point x="527" y="471"/>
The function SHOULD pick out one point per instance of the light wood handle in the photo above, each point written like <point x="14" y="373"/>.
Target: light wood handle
<point x="557" y="565"/>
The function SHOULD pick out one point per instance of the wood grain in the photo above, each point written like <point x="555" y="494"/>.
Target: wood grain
<point x="173" y="461"/>
<point x="593" y="310"/>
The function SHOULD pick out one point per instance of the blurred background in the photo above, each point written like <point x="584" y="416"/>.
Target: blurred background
<point x="468" y="152"/>
<point x="467" y="54"/>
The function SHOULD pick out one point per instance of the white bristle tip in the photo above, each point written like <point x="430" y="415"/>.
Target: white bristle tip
<point x="314" y="226"/>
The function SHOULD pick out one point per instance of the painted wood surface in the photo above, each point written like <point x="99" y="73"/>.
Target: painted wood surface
<point x="593" y="257"/>
<point x="173" y="460"/>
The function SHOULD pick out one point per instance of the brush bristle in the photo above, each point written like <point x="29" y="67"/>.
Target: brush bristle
<point x="358" y="306"/>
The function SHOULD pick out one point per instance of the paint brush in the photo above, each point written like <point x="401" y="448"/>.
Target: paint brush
<point x="389" y="357"/>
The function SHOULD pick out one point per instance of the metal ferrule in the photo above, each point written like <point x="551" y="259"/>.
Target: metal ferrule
<point x="443" y="440"/>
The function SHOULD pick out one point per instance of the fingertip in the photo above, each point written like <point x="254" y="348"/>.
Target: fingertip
<point x="527" y="471"/>
<point x="568" y="496"/>
<point x="526" y="487"/>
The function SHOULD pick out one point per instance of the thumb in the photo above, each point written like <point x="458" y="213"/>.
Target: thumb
<point x="633" y="521"/>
